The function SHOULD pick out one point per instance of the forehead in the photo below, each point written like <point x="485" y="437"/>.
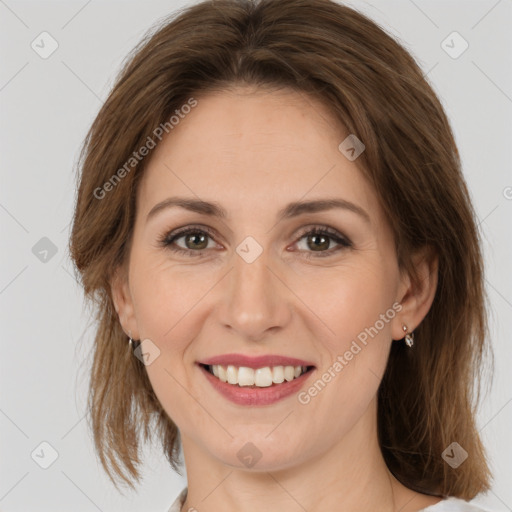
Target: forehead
<point x="249" y="148"/>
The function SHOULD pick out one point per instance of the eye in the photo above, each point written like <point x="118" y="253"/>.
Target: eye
<point x="195" y="240"/>
<point x="319" y="239"/>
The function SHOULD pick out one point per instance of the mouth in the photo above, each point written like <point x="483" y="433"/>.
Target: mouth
<point x="251" y="378"/>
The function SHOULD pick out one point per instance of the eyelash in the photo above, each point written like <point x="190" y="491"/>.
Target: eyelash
<point x="168" y="239"/>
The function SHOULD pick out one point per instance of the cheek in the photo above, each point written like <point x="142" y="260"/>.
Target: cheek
<point x="167" y="301"/>
<point x="164" y="294"/>
<point x="357" y="307"/>
<point x="348" y="300"/>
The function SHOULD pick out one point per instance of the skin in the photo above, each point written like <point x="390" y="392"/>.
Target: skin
<point x="253" y="151"/>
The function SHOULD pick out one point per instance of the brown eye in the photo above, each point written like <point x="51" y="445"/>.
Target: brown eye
<point x="195" y="241"/>
<point x="318" y="240"/>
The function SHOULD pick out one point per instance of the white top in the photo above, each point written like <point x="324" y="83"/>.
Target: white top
<point x="450" y="504"/>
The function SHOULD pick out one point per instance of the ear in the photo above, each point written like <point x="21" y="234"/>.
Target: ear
<point x="123" y="302"/>
<point x="416" y="294"/>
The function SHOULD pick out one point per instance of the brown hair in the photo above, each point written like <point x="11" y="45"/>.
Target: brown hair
<point x="427" y="397"/>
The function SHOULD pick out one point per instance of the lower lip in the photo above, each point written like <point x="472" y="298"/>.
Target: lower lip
<point x="243" y="395"/>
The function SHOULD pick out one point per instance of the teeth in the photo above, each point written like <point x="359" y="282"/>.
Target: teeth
<point x="246" y="376"/>
<point x="261" y="377"/>
<point x="278" y="374"/>
<point x="222" y="373"/>
<point x="289" y="373"/>
<point x="232" y="374"/>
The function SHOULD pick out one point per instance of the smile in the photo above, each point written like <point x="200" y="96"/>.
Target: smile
<point x="240" y="392"/>
<point x="259" y="377"/>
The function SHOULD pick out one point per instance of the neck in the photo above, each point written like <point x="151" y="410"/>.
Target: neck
<point x="351" y="475"/>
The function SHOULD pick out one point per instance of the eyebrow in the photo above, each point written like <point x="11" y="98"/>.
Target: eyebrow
<point x="294" y="209"/>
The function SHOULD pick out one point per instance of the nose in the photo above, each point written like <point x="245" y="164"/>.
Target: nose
<point x="255" y="299"/>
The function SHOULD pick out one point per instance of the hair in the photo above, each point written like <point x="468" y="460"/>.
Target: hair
<point x="324" y="50"/>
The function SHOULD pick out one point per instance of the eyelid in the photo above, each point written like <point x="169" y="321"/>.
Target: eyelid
<point x="323" y="229"/>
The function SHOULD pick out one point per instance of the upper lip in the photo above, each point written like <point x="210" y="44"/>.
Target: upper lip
<point x="254" y="361"/>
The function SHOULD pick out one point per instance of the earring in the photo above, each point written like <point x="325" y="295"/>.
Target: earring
<point x="409" y="338"/>
<point x="133" y="343"/>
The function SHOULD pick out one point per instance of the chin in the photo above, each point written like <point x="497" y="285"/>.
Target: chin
<point x="259" y="454"/>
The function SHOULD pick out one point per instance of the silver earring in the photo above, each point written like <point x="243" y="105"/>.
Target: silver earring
<point x="133" y="343"/>
<point x="409" y="338"/>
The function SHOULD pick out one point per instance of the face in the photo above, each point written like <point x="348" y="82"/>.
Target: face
<point x="316" y="285"/>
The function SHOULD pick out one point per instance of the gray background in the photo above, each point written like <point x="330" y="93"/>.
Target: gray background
<point x="46" y="107"/>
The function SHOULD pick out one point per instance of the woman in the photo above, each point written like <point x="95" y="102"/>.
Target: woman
<point x="273" y="222"/>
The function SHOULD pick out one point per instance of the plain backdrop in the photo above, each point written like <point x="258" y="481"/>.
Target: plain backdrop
<point x="47" y="105"/>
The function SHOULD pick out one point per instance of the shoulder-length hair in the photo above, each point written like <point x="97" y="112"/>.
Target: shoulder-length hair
<point x="427" y="398"/>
